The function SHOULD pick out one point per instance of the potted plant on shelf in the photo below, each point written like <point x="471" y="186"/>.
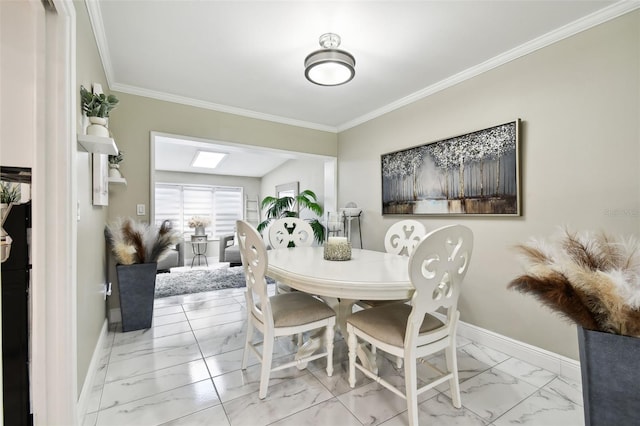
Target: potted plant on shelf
<point x="279" y="207"/>
<point x="594" y="280"/>
<point x="114" y="165"/>
<point x="137" y="248"/>
<point x="97" y="107"/>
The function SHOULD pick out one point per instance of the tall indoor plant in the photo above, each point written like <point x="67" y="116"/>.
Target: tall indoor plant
<point x="137" y="248"/>
<point x="593" y="279"/>
<point x="279" y="207"/>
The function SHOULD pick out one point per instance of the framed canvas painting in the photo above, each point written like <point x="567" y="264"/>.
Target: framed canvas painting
<point x="477" y="173"/>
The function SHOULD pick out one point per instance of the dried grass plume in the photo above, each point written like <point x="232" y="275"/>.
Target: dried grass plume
<point x="591" y="279"/>
<point x="135" y="242"/>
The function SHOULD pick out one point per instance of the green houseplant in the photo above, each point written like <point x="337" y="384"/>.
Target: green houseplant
<point x="593" y="280"/>
<point x="137" y="247"/>
<point x="97" y="107"/>
<point x="9" y="193"/>
<point x="279" y="207"/>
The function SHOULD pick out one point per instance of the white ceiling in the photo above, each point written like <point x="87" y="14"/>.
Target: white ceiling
<point x="246" y="57"/>
<point x="177" y="153"/>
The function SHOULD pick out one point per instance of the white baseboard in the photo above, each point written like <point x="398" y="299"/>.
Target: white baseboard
<point x="539" y="357"/>
<point x="91" y="373"/>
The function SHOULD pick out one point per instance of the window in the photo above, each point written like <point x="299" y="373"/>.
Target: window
<point x="179" y="203"/>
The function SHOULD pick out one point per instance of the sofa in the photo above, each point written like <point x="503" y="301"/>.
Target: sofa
<point x="229" y="252"/>
<point x="174" y="258"/>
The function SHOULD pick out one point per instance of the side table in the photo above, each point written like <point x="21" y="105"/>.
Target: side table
<point x="199" y="247"/>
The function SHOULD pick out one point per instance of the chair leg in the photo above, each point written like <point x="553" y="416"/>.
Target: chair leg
<point x="247" y="345"/>
<point x="411" y="385"/>
<point x="265" y="372"/>
<point x="329" y="335"/>
<point x="454" y="382"/>
<point x="353" y="347"/>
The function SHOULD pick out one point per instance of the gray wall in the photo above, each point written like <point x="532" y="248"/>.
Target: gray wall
<point x="578" y="100"/>
<point x="91" y="249"/>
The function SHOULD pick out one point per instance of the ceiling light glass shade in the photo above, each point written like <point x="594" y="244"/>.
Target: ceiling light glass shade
<point x="329" y="66"/>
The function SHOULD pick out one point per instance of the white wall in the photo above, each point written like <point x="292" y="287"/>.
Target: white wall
<point x="18" y="38"/>
<point x="308" y="172"/>
<point x="579" y="104"/>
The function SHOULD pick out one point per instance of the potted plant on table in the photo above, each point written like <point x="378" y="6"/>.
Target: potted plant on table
<point x="97" y="106"/>
<point x="594" y="280"/>
<point x="137" y="248"/>
<point x="277" y="208"/>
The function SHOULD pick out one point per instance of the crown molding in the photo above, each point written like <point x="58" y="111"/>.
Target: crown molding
<point x="615" y="10"/>
<point x="133" y="90"/>
<point x="575" y="27"/>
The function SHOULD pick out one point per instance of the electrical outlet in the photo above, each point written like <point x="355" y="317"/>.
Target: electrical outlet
<point x="140" y="209"/>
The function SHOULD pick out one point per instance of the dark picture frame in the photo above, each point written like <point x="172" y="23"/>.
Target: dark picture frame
<point x="474" y="174"/>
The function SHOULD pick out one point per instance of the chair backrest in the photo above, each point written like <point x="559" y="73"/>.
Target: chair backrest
<point x="437" y="268"/>
<point x="254" y="261"/>
<point x="403" y="236"/>
<point x="290" y="232"/>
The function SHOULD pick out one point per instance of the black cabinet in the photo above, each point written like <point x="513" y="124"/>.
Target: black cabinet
<point x="15" y="319"/>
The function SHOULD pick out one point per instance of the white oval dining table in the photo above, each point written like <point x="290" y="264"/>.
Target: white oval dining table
<point x="368" y="275"/>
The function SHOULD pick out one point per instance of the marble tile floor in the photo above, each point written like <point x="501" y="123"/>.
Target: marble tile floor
<point x="185" y="370"/>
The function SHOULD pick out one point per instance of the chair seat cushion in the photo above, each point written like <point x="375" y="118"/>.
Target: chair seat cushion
<point x="297" y="308"/>
<point x="375" y="303"/>
<point x="388" y="323"/>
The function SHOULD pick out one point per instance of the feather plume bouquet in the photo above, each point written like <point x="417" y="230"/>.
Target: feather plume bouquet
<point x="135" y="242"/>
<point x="591" y="279"/>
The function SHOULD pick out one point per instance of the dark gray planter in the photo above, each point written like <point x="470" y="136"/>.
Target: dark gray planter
<point x="610" y="366"/>
<point x="136" y="285"/>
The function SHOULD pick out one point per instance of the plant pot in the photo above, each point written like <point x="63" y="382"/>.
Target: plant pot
<point x="114" y="171"/>
<point x="137" y="285"/>
<point x="98" y="127"/>
<point x="199" y="230"/>
<point x="610" y="367"/>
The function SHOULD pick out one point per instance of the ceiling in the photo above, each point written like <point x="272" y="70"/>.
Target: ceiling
<point x="246" y="57"/>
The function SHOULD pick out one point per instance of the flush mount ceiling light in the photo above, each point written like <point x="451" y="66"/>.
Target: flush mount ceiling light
<point x="329" y="66"/>
<point x="207" y="159"/>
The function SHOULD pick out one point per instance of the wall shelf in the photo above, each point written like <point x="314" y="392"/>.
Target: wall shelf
<point x="98" y="144"/>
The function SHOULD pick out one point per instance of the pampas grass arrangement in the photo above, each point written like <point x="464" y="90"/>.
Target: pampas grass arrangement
<point x="589" y="278"/>
<point x="135" y="242"/>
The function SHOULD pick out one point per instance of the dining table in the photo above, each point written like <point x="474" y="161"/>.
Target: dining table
<point x="367" y="275"/>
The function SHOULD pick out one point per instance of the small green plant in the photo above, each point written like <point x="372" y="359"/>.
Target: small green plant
<point x="97" y="105"/>
<point x="116" y="159"/>
<point x="9" y="193"/>
<point x="277" y="208"/>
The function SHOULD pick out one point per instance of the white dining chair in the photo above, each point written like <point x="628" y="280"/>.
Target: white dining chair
<point x="401" y="238"/>
<point x="437" y="268"/>
<point x="289" y="232"/>
<point x="279" y="315"/>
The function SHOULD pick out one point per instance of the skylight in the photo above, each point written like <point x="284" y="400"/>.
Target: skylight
<point x="207" y="159"/>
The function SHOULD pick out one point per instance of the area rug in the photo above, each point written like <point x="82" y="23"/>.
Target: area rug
<point x="199" y="280"/>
